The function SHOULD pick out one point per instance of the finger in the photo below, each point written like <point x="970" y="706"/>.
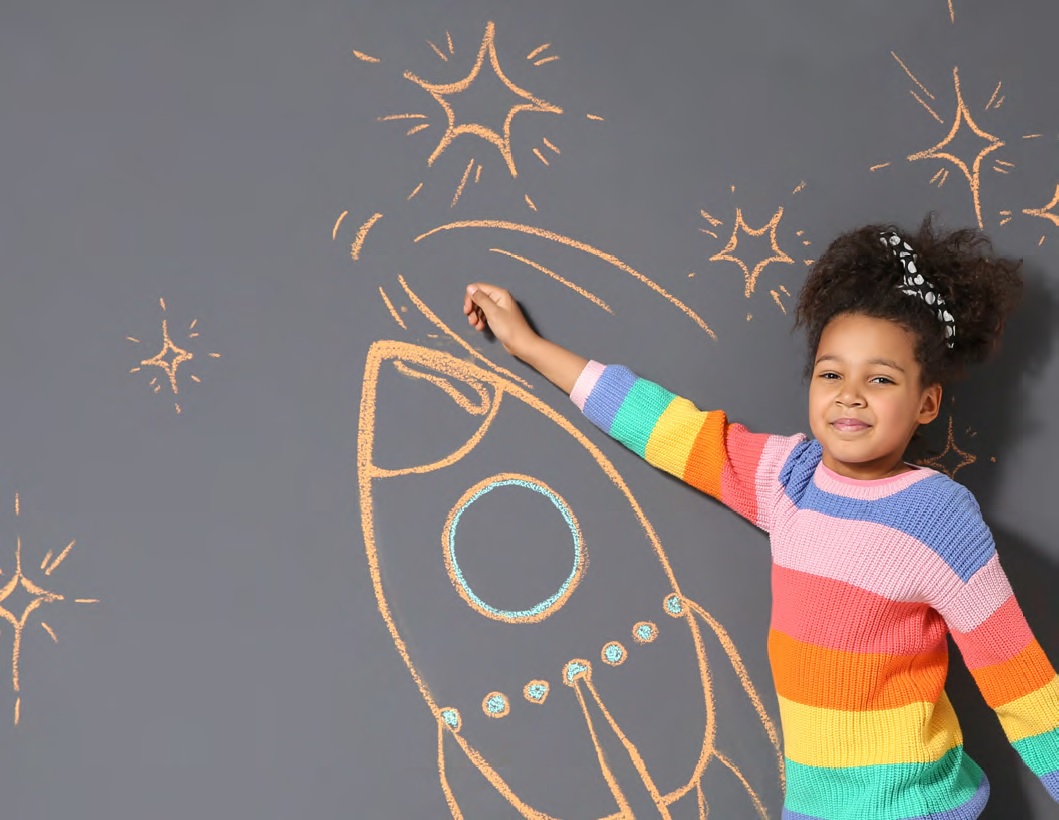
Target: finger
<point x="496" y="294"/>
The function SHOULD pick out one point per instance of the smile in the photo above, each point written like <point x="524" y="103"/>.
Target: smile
<point x="850" y="425"/>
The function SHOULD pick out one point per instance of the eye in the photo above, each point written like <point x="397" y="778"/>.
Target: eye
<point x="882" y="380"/>
<point x="828" y="375"/>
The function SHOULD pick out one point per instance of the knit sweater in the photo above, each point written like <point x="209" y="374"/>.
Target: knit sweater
<point x="868" y="578"/>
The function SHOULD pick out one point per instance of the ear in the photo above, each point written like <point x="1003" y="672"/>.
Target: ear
<point x="930" y="404"/>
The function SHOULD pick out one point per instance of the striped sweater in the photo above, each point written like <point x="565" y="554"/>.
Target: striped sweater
<point x="868" y="578"/>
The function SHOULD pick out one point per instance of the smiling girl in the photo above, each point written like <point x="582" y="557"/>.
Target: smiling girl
<point x="874" y="560"/>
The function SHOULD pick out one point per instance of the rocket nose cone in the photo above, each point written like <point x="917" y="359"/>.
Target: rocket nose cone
<point x="421" y="409"/>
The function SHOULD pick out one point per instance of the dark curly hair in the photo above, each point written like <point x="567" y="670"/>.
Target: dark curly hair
<point x="859" y="274"/>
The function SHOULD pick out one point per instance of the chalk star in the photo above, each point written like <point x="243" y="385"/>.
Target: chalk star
<point x="939" y="462"/>
<point x="751" y="276"/>
<point x="1046" y="211"/>
<point x="441" y="91"/>
<point x="169" y="365"/>
<point x="38" y="597"/>
<point x="963" y="115"/>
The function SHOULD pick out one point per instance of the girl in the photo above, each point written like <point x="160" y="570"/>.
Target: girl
<point x="875" y="560"/>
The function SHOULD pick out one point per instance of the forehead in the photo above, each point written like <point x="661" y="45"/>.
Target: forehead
<point x="855" y="336"/>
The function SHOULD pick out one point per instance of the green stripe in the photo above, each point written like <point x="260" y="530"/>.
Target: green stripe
<point x="639" y="413"/>
<point x="1041" y="752"/>
<point x="905" y="789"/>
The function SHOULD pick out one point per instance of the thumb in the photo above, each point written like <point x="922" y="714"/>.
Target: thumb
<point x="483" y="301"/>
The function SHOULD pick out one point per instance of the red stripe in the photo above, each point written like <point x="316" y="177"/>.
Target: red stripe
<point x="739" y="473"/>
<point x="998" y="638"/>
<point x="836" y="615"/>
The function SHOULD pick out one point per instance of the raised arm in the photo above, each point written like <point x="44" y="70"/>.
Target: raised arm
<point x="489" y="306"/>
<point x="738" y="468"/>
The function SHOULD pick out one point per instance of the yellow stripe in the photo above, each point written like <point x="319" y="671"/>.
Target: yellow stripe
<point x="674" y="435"/>
<point x="1031" y="714"/>
<point x="916" y="733"/>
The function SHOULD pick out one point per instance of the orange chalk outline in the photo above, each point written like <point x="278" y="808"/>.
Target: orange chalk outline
<point x="770" y="227"/>
<point x="440" y="92"/>
<point x="1044" y="212"/>
<point x="362" y="233"/>
<point x="461" y="371"/>
<point x="581" y="246"/>
<point x="938" y="151"/>
<point x="393" y="312"/>
<point x="490" y="696"/>
<point x="576" y="288"/>
<point x="547" y="691"/>
<point x="938" y="461"/>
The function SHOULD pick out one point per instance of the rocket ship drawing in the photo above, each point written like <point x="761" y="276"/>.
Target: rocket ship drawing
<point x="578" y="688"/>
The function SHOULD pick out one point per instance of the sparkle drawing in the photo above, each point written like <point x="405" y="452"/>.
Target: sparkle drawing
<point x="963" y="127"/>
<point x="1046" y="212"/>
<point x="170" y="357"/>
<point x="952" y="459"/>
<point x="461" y="712"/>
<point x="450" y="127"/>
<point x="751" y="268"/>
<point x="21" y="597"/>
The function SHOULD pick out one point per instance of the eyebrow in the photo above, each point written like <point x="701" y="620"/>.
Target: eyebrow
<point x="884" y="362"/>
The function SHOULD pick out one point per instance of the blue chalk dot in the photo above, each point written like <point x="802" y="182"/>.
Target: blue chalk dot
<point x="614" y="653"/>
<point x="575" y="668"/>
<point x="496" y="704"/>
<point x="537" y="691"/>
<point x="674" y="606"/>
<point x="451" y="717"/>
<point x="645" y="632"/>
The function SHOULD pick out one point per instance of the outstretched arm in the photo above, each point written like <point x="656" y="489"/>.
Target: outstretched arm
<point x="738" y="468"/>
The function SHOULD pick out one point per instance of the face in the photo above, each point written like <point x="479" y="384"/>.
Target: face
<point x="866" y="398"/>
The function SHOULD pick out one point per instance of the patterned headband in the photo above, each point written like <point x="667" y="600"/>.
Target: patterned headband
<point x="914" y="284"/>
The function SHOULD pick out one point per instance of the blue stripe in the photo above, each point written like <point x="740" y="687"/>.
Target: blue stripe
<point x="1051" y="783"/>
<point x="936" y="511"/>
<point x="609" y="392"/>
<point x="970" y="810"/>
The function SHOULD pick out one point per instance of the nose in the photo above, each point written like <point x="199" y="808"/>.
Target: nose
<point x="849" y="395"/>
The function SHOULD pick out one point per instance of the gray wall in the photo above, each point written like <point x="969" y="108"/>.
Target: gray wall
<point x="237" y="663"/>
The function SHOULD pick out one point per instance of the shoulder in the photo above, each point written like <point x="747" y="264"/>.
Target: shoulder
<point x="946" y="516"/>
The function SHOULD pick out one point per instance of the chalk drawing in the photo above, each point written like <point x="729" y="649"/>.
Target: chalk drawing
<point x="170" y="357"/>
<point x="490" y="390"/>
<point x="22" y="598"/>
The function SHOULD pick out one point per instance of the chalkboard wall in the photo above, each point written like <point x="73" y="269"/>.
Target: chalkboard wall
<point x="282" y="537"/>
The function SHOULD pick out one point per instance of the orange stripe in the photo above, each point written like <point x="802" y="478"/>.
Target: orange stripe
<point x="739" y="475"/>
<point x="999" y="637"/>
<point x="851" y="681"/>
<point x="1004" y="682"/>
<point x="707" y="456"/>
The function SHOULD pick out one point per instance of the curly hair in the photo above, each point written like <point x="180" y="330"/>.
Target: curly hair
<point x="859" y="274"/>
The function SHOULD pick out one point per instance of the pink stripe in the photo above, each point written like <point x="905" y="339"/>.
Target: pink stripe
<point x="585" y="382"/>
<point x="984" y="594"/>
<point x="998" y="638"/>
<point x="870" y="556"/>
<point x="766" y="479"/>
<point x="868" y="489"/>
<point x="835" y="615"/>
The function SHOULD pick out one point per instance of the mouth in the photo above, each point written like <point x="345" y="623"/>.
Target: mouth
<point x="846" y="425"/>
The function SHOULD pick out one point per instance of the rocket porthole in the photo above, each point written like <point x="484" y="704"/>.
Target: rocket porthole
<point x="549" y="605"/>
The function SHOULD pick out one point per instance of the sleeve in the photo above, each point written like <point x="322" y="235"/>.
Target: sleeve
<point x="1006" y="661"/>
<point x="738" y="468"/>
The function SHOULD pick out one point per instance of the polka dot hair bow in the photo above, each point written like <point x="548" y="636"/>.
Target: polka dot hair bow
<point x="913" y="283"/>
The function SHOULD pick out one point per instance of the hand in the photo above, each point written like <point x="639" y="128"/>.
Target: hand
<point x="493" y="307"/>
